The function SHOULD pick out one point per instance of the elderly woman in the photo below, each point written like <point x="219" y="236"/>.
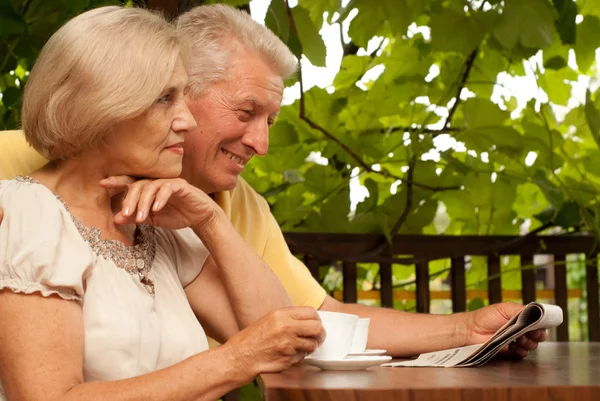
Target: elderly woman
<point x="91" y="298"/>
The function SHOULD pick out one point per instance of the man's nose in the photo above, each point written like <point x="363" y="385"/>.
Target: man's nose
<point x="257" y="137"/>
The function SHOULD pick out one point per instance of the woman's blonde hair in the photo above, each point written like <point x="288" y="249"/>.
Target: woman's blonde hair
<point x="216" y="33"/>
<point x="104" y="66"/>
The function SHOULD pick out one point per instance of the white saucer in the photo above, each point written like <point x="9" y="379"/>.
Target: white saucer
<point x="368" y="352"/>
<point x="352" y="363"/>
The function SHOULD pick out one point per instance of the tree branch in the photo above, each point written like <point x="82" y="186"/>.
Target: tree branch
<point x="409" y="196"/>
<point x="461" y="85"/>
<point x="422" y="130"/>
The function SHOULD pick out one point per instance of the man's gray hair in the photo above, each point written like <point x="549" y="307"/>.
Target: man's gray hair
<point x="215" y="35"/>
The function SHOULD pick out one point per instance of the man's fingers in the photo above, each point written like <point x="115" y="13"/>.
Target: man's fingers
<point x="526" y="343"/>
<point x="517" y="351"/>
<point x="539" y="335"/>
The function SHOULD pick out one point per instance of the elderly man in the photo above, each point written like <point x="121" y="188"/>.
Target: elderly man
<point x="236" y="87"/>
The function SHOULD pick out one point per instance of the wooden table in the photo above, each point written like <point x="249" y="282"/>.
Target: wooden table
<point x="555" y="372"/>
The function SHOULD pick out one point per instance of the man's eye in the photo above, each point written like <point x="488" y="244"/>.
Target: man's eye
<point x="270" y="122"/>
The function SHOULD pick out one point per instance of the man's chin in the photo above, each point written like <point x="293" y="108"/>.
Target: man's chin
<point x="224" y="184"/>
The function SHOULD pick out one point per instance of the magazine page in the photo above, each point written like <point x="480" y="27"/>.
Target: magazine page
<point x="534" y="316"/>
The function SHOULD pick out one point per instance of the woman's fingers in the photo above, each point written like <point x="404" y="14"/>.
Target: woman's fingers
<point x="130" y="203"/>
<point x="162" y="197"/>
<point x="311" y="329"/>
<point x="117" y="184"/>
<point x="306" y="345"/>
<point x="147" y="199"/>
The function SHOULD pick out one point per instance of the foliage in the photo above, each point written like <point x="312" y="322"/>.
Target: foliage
<point x="385" y="132"/>
<point x="25" y="25"/>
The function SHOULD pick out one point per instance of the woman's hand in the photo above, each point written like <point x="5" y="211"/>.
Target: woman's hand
<point x="167" y="203"/>
<point x="277" y="341"/>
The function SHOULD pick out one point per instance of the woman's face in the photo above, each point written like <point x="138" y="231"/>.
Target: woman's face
<point x="150" y="145"/>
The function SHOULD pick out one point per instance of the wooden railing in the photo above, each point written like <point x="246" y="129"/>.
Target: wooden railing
<point x="350" y="249"/>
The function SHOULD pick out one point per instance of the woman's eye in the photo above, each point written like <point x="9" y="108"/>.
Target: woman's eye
<point x="164" y="99"/>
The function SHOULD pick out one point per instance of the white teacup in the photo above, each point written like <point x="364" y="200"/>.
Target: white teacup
<point x="361" y="335"/>
<point x="340" y="328"/>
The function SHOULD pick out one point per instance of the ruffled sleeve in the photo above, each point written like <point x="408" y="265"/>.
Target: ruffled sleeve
<point x="186" y="250"/>
<point x="41" y="250"/>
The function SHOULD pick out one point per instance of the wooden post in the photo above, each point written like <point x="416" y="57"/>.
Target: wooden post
<point x="494" y="280"/>
<point x="560" y="295"/>
<point x="458" y="283"/>
<point x="422" y="273"/>
<point x="527" y="279"/>
<point x="350" y="293"/>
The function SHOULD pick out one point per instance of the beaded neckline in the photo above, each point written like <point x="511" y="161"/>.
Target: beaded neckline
<point x="136" y="260"/>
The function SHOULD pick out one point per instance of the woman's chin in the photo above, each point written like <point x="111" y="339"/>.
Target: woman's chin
<point x="165" y="172"/>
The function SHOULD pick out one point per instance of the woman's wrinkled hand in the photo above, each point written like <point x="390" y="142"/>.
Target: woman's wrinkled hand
<point x="277" y="341"/>
<point x="166" y="203"/>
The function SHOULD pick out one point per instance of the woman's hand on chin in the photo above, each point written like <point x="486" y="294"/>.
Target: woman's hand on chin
<point x="167" y="203"/>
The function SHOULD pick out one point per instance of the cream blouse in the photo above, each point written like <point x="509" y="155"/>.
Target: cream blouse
<point x="136" y="316"/>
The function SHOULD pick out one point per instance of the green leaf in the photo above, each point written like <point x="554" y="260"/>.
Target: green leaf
<point x="551" y="191"/>
<point x="11" y="97"/>
<point x="282" y="134"/>
<point x="556" y="85"/>
<point x="555" y="63"/>
<point x="493" y="138"/>
<point x="591" y="162"/>
<point x="10" y="22"/>
<point x="474" y="304"/>
<point x="277" y="20"/>
<point x="529" y="23"/>
<point x="455" y="32"/>
<point x="568" y="216"/>
<point x="318" y="7"/>
<point x="403" y="61"/>
<point x="556" y="55"/>
<point x="565" y="24"/>
<point x="352" y="68"/>
<point x="481" y="113"/>
<point x="312" y="42"/>
<point x="593" y="117"/>
<point x="588" y="7"/>
<point x="588" y="40"/>
<point x="380" y="17"/>
<point x="370" y="202"/>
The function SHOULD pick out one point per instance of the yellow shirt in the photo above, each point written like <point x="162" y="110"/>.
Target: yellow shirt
<point x="248" y="211"/>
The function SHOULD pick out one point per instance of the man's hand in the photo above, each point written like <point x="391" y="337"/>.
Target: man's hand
<point x="484" y="322"/>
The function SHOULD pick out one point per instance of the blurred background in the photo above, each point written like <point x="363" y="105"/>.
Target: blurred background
<point x="437" y="117"/>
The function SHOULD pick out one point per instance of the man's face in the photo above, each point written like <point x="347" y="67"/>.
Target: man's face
<point x="233" y="120"/>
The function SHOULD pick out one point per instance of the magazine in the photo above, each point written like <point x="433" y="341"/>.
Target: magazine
<point x="534" y="316"/>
